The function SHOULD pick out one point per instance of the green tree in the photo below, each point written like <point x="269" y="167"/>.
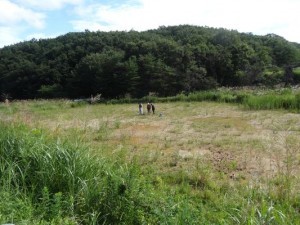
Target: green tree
<point x="106" y="73"/>
<point x="197" y="79"/>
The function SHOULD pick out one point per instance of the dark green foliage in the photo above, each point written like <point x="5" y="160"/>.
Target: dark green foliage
<point x="296" y="73"/>
<point x="165" y="61"/>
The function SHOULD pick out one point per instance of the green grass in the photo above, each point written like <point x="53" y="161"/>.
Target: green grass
<point x="296" y="71"/>
<point x="284" y="98"/>
<point x="51" y="181"/>
<point x="271" y="102"/>
<point x="104" y="164"/>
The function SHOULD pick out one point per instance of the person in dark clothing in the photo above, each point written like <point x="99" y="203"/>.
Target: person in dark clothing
<point x="153" y="108"/>
<point x="148" y="107"/>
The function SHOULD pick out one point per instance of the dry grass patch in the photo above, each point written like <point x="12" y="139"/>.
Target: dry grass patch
<point x="230" y="125"/>
<point x="231" y="140"/>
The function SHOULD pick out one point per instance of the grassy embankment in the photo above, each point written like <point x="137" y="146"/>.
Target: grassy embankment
<point x="199" y="163"/>
<point x="253" y="99"/>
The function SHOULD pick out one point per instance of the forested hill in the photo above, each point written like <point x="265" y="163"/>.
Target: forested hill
<point x="165" y="61"/>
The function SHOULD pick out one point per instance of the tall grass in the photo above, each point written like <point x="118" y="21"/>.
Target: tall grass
<point x="272" y="100"/>
<point x="257" y="99"/>
<point x="52" y="181"/>
<point x="250" y="98"/>
<point x="212" y="95"/>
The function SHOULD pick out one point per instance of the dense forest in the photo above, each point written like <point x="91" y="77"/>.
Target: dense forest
<point x="165" y="61"/>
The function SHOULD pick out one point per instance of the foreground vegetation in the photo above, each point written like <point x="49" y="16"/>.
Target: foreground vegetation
<point x="191" y="163"/>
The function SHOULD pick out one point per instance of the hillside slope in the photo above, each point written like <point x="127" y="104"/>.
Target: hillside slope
<point x="165" y="61"/>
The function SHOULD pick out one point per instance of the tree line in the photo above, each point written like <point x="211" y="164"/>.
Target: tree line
<point x="165" y="61"/>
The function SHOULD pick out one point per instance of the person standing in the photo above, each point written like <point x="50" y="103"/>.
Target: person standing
<point x="141" y="109"/>
<point x="153" y="108"/>
<point x="148" y="107"/>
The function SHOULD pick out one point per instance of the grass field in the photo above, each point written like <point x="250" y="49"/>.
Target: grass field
<point x="197" y="162"/>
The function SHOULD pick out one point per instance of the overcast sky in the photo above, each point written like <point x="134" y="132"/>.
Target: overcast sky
<point x="26" y="19"/>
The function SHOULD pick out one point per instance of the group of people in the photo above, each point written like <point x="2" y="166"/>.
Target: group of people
<point x="150" y="107"/>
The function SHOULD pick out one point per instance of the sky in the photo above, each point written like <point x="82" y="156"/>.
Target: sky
<point x="22" y="20"/>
